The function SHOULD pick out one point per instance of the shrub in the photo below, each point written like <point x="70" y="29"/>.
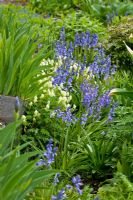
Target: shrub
<point x="119" y="187"/>
<point x="118" y="33"/>
<point x="105" y="11"/>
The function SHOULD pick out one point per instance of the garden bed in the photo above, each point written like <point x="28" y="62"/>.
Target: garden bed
<point x="72" y="70"/>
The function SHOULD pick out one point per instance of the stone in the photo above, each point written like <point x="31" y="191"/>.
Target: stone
<point x="7" y="108"/>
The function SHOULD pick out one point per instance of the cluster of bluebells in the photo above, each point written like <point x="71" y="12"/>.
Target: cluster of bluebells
<point x="94" y="102"/>
<point x="60" y="196"/>
<point x="112" y="111"/>
<point x="77" y="183"/>
<point x="72" y="70"/>
<point x="67" y="116"/>
<point x="49" y="155"/>
<point x="56" y="178"/>
<point x="84" y="40"/>
<point x="101" y="66"/>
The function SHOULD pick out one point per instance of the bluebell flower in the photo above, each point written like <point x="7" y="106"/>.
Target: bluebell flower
<point x="97" y="198"/>
<point x="84" y="118"/>
<point x="126" y="13"/>
<point x="94" y="40"/>
<point x="101" y="66"/>
<point x="70" y="50"/>
<point x="49" y="155"/>
<point x="77" y="40"/>
<point x="103" y="101"/>
<point x="69" y="187"/>
<point x="83" y="40"/>
<point x="56" y="178"/>
<point x="17" y="104"/>
<point x="77" y="183"/>
<point x="112" y="112"/>
<point x="41" y="162"/>
<point x="60" y="196"/>
<point x="40" y="46"/>
<point x="90" y="94"/>
<point x="93" y="102"/>
<point x="50" y="152"/>
<point x="66" y="116"/>
<point x="62" y="34"/>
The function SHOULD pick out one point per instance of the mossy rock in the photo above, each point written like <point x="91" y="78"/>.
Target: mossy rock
<point x="118" y="33"/>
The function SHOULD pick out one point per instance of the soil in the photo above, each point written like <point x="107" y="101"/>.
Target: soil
<point x="17" y="2"/>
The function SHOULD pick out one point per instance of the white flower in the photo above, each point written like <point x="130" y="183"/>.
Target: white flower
<point x="36" y="113"/>
<point x="63" y="93"/>
<point x="43" y="72"/>
<point x="75" y="66"/>
<point x="40" y="81"/>
<point x="31" y="103"/>
<point x="44" y="62"/>
<point x="38" y="75"/>
<point x="47" y="106"/>
<point x="41" y="88"/>
<point x="51" y="93"/>
<point x="68" y="105"/>
<point x="74" y="106"/>
<point x="52" y="114"/>
<point x="44" y="91"/>
<point x="34" y="119"/>
<point x="48" y="84"/>
<point x="67" y="94"/>
<point x="60" y="61"/>
<point x="61" y="85"/>
<point x="23" y="118"/>
<point x="131" y="36"/>
<point x="35" y="99"/>
<point x="42" y="96"/>
<point x="51" y="62"/>
<point x="88" y="77"/>
<point x="77" y="75"/>
<point x="62" y="99"/>
<point x="69" y="98"/>
<point x="71" y="68"/>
